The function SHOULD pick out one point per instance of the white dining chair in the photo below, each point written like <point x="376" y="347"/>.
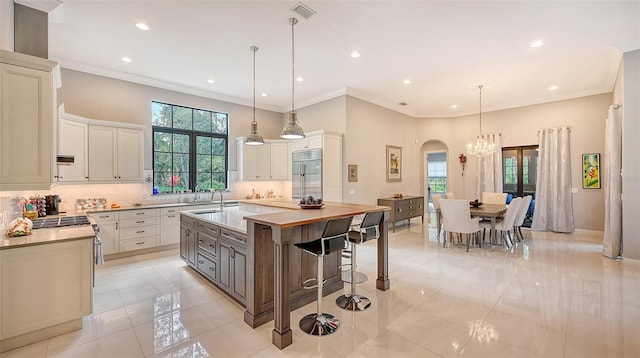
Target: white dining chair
<point x="505" y="225"/>
<point x="494" y="198"/>
<point x="435" y="198"/>
<point x="457" y="219"/>
<point x="522" y="214"/>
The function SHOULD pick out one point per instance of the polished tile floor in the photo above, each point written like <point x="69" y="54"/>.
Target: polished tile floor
<point x="553" y="295"/>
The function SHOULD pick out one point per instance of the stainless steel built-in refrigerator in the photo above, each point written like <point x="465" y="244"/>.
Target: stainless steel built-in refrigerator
<point x="307" y="174"/>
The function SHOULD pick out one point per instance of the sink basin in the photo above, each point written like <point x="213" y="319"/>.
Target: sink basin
<point x="206" y="211"/>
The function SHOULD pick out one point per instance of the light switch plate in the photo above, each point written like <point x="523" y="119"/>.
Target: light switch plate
<point x="352" y="192"/>
<point x="574" y="190"/>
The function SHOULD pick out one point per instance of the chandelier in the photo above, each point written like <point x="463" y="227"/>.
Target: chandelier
<point x="482" y="147"/>
<point x="254" y="138"/>
<point x="292" y="130"/>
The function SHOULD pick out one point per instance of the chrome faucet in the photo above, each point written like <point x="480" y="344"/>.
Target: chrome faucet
<point x="221" y="198"/>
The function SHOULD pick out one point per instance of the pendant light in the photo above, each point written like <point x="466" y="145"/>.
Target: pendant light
<point x="254" y="138"/>
<point x="482" y="147"/>
<point x="292" y="130"/>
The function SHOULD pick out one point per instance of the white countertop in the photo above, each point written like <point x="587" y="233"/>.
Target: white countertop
<point x="48" y="236"/>
<point x="231" y="218"/>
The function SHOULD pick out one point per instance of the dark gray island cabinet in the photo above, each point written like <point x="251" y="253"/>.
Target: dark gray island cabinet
<point x="221" y="255"/>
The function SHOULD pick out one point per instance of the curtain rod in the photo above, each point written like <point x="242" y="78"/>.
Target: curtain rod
<point x="553" y="129"/>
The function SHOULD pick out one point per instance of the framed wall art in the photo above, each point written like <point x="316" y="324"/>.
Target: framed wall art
<point x="352" y="169"/>
<point x="591" y="171"/>
<point x="394" y="163"/>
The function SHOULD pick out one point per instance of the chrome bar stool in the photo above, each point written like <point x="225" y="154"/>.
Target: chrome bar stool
<point x="369" y="230"/>
<point x="333" y="240"/>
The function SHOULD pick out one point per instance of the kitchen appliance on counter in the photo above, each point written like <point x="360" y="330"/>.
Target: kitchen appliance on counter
<point x="53" y="204"/>
<point x="307" y="174"/>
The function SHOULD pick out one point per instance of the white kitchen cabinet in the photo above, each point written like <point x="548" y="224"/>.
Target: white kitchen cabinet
<point x="280" y="160"/>
<point x="270" y="161"/>
<point x="26" y="122"/>
<point x="73" y="140"/>
<point x="170" y="225"/>
<point x="108" y="226"/>
<point x="254" y="161"/>
<point x="311" y="141"/>
<point x="45" y="290"/>
<point x="138" y="229"/>
<point x="115" y="153"/>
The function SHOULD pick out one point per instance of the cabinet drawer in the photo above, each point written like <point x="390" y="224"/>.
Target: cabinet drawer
<point x="139" y="243"/>
<point x="171" y="210"/>
<point x="206" y="266"/>
<point x="142" y="221"/>
<point x="104" y="216"/>
<point x="132" y="214"/>
<point x="235" y="237"/>
<point x="139" y="231"/>
<point x="209" y="228"/>
<point x="207" y="243"/>
<point x="187" y="220"/>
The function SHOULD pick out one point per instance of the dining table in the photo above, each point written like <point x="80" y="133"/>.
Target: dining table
<point x="484" y="211"/>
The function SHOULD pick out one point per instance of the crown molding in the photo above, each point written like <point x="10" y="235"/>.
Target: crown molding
<point x="41" y="5"/>
<point x="382" y="103"/>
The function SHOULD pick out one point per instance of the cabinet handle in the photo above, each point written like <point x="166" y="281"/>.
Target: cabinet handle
<point x="212" y="246"/>
<point x="139" y="231"/>
<point x="199" y="241"/>
<point x="188" y="232"/>
<point x="211" y="269"/>
<point x="200" y="262"/>
<point x="171" y="211"/>
<point x="139" y="221"/>
<point x="103" y="216"/>
<point x="116" y="225"/>
<point x="140" y="243"/>
<point x="171" y="216"/>
<point x="60" y="177"/>
<point x="115" y="177"/>
<point x="86" y="178"/>
<point x="119" y="178"/>
<point x="139" y="213"/>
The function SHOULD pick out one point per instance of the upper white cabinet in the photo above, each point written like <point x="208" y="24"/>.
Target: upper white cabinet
<point x="26" y="122"/>
<point x="115" y="153"/>
<point x="311" y="141"/>
<point x="73" y="140"/>
<point x="270" y="161"/>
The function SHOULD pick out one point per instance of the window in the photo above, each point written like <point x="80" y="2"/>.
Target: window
<point x="190" y="148"/>
<point x="437" y="173"/>
<point x="519" y="167"/>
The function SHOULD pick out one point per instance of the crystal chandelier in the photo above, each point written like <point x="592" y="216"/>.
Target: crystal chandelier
<point x="292" y="130"/>
<point x="482" y="147"/>
<point x="254" y="138"/>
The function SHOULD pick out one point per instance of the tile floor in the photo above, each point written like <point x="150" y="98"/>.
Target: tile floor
<point x="553" y="295"/>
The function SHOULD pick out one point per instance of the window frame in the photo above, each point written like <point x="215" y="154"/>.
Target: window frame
<point x="193" y="154"/>
<point x="519" y="170"/>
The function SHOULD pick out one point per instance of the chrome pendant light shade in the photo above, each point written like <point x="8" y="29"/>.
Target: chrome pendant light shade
<point x="482" y="147"/>
<point x="292" y="130"/>
<point x="254" y="138"/>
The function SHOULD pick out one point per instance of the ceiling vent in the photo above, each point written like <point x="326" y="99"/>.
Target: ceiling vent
<point x="303" y="10"/>
<point x="402" y="104"/>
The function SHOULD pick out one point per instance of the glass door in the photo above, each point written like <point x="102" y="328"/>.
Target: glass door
<point x="519" y="168"/>
<point x="436" y="173"/>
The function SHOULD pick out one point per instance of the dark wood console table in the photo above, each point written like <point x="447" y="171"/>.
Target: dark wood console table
<point x="403" y="208"/>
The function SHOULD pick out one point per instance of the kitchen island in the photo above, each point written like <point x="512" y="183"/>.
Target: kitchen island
<point x="255" y="262"/>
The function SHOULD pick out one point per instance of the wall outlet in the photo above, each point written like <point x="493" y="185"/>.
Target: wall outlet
<point x="574" y="190"/>
<point x="352" y="192"/>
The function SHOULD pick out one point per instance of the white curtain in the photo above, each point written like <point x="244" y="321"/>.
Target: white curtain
<point x="490" y="168"/>
<point x="612" y="245"/>
<point x="554" y="206"/>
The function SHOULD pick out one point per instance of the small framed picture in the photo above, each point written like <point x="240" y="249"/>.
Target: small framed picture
<point x="394" y="163"/>
<point x="353" y="172"/>
<point x="591" y="171"/>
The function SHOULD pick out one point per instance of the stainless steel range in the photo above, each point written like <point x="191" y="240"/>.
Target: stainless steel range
<point x="61" y="221"/>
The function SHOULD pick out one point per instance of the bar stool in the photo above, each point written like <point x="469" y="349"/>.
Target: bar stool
<point x="368" y="230"/>
<point x="334" y="238"/>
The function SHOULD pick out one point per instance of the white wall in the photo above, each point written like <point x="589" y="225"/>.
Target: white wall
<point x="519" y="126"/>
<point x="6" y="25"/>
<point x="370" y="128"/>
<point x="329" y="115"/>
<point x="630" y="149"/>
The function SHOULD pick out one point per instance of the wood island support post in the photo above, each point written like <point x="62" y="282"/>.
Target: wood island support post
<point x="282" y="335"/>
<point x="382" y="283"/>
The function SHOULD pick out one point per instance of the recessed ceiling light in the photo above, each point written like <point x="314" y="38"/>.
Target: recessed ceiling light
<point x="406" y="82"/>
<point x="211" y="81"/>
<point x="126" y="59"/>
<point x="142" y="26"/>
<point x="264" y="94"/>
<point x="553" y="88"/>
<point x="535" y="44"/>
<point x="299" y="79"/>
<point x="454" y="106"/>
<point x="355" y="54"/>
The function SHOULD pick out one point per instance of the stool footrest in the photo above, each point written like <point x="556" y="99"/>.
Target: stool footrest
<point x="307" y="284"/>
<point x="319" y="325"/>
<point x="353" y="302"/>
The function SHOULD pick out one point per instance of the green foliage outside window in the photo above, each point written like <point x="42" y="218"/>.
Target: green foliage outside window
<point x="190" y="148"/>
